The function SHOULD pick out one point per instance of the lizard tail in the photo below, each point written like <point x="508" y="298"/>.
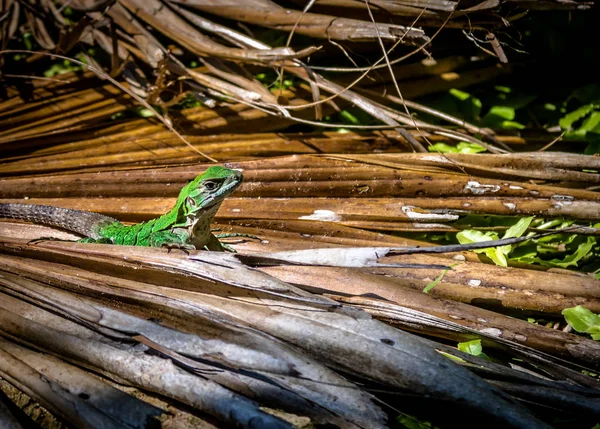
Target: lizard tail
<point x="84" y="223"/>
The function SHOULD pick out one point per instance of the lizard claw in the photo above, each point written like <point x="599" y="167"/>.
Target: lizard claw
<point x="185" y="248"/>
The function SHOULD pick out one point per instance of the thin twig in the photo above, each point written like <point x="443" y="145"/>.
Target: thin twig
<point x="103" y="75"/>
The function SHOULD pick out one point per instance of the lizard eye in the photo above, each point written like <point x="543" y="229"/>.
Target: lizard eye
<point x="210" y="185"/>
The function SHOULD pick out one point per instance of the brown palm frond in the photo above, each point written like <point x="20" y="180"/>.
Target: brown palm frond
<point x="121" y="336"/>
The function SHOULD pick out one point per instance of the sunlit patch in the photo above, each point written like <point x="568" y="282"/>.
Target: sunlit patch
<point x="323" y="215"/>
<point x="477" y="188"/>
<point x="450" y="76"/>
<point x="411" y="213"/>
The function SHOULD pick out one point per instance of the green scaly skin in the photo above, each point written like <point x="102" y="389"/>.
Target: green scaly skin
<point x="185" y="226"/>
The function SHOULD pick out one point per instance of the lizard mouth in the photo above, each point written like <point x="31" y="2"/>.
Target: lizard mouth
<point x="229" y="186"/>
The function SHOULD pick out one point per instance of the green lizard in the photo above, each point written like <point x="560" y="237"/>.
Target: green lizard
<point x="185" y="226"/>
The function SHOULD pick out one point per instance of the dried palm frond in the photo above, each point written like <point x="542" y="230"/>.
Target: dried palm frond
<point x="323" y="319"/>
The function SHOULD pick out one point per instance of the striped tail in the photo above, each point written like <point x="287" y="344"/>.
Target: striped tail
<point x="81" y="222"/>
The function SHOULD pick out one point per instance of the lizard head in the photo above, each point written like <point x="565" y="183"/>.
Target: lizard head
<point x="210" y="189"/>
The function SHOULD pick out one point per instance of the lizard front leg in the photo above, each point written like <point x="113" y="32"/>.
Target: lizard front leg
<point x="170" y="239"/>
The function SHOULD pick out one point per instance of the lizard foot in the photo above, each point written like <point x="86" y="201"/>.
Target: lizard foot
<point x="227" y="247"/>
<point x="237" y="234"/>
<point x="185" y="248"/>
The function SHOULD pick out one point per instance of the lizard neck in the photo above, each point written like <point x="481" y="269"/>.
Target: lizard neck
<point x="198" y="226"/>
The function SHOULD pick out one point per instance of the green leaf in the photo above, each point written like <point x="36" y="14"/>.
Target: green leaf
<point x="578" y="134"/>
<point x="27" y="41"/>
<point x="434" y="283"/>
<point x="145" y="112"/>
<point x="567" y="121"/>
<point x="462" y="147"/>
<point x="461" y="95"/>
<point x="580" y="318"/>
<point x="466" y="147"/>
<point x="468" y="236"/>
<point x="496" y="254"/>
<point x="594" y="331"/>
<point x="516" y="230"/>
<point x="501" y="117"/>
<point x="583" y="320"/>
<point x="411" y="422"/>
<point x="356" y="116"/>
<point x="524" y="253"/>
<point x="519" y="228"/>
<point x="591" y="122"/>
<point x="504" y="112"/>
<point x="469" y="106"/>
<point x="583" y="249"/>
<point x="349" y="118"/>
<point x="442" y="148"/>
<point x="511" y="125"/>
<point x="589" y="130"/>
<point x="471" y="347"/>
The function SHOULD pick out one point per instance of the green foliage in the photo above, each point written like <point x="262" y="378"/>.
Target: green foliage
<point x="410" y="422"/>
<point x="28" y="41"/>
<point x="189" y="101"/>
<point x="583" y="320"/>
<point x="501" y="117"/>
<point x="66" y="66"/>
<point x="473" y="348"/>
<point x="541" y="322"/>
<point x="567" y="121"/>
<point x="462" y="147"/>
<point x="504" y="103"/>
<point x="496" y="254"/>
<point x="500" y="111"/>
<point x="557" y="250"/>
<point x="503" y="107"/>
<point x="356" y="116"/>
<point x="466" y="104"/>
<point x="351" y="116"/>
<point x="144" y="112"/>
<point x="61" y="67"/>
<point x="272" y="80"/>
<point x="435" y="282"/>
<point x="137" y="112"/>
<point x="581" y="119"/>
